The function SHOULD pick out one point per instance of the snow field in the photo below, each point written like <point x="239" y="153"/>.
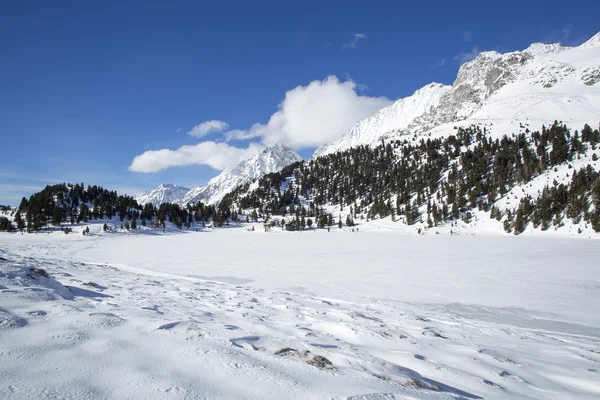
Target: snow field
<point x="202" y="315"/>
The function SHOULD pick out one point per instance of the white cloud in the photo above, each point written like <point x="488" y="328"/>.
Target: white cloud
<point x="216" y="155"/>
<point x="239" y="134"/>
<point x="207" y="127"/>
<point x="314" y="114"/>
<point x="465" y="57"/>
<point x="355" y="38"/>
<point x="467" y="36"/>
<point x="308" y="116"/>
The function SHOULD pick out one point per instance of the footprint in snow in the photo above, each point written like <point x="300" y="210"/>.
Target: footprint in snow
<point x="433" y="332"/>
<point x="246" y="342"/>
<point x="490" y="383"/>
<point x="153" y="308"/>
<point x="169" y="326"/>
<point x="497" y="356"/>
<point x="307" y="332"/>
<point x="180" y="327"/>
<point x="506" y="374"/>
<point x="324" y="346"/>
<point x="231" y="327"/>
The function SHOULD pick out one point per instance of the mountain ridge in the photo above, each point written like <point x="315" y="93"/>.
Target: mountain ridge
<point x="271" y="159"/>
<point x="165" y="193"/>
<point x="553" y="73"/>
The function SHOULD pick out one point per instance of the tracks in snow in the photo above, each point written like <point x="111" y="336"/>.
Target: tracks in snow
<point x="421" y="350"/>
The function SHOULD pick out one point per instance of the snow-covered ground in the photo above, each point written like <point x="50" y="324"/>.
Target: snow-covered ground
<point x="235" y="314"/>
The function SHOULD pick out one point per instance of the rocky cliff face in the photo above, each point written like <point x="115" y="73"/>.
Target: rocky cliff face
<point x="505" y="87"/>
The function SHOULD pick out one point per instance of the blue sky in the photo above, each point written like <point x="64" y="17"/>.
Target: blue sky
<point x="85" y="87"/>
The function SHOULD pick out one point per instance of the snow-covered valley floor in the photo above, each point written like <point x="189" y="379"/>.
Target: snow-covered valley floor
<point x="232" y="314"/>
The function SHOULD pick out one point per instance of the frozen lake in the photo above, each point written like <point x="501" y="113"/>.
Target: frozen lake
<point x="476" y="316"/>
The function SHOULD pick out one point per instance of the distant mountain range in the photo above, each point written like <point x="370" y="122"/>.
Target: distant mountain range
<point x="166" y="193"/>
<point x="536" y="85"/>
<point x="512" y="145"/>
<point x="499" y="91"/>
<point x="271" y="159"/>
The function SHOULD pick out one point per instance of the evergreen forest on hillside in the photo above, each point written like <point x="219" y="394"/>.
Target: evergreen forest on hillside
<point x="437" y="181"/>
<point x="432" y="181"/>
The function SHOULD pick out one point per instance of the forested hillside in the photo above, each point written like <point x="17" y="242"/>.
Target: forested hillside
<point x="437" y="181"/>
<point x="425" y="181"/>
<point x="62" y="204"/>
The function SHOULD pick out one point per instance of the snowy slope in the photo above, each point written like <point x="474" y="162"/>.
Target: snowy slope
<point x="272" y="159"/>
<point x="118" y="317"/>
<point x="592" y="42"/>
<point x="540" y="84"/>
<point x="166" y="193"/>
<point x="394" y="117"/>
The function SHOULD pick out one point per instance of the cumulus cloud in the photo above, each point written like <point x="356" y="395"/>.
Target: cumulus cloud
<point x="219" y="156"/>
<point x="308" y="116"/>
<point x="355" y="39"/>
<point x="465" y="57"/>
<point x="239" y="134"/>
<point x="314" y="114"/>
<point x="207" y="127"/>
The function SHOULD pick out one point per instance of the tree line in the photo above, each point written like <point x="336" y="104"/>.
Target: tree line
<point x="74" y="203"/>
<point x="439" y="180"/>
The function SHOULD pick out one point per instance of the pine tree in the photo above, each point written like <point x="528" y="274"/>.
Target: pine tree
<point x="19" y="221"/>
<point x="595" y="220"/>
<point x="56" y="216"/>
<point x="5" y="225"/>
<point x="83" y="213"/>
<point x="596" y="194"/>
<point x="519" y="225"/>
<point x="349" y="221"/>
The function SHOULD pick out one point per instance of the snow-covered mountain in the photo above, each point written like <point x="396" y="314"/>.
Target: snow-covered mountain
<point x="539" y="84"/>
<point x="163" y="194"/>
<point x="272" y="159"/>
<point x="396" y="116"/>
